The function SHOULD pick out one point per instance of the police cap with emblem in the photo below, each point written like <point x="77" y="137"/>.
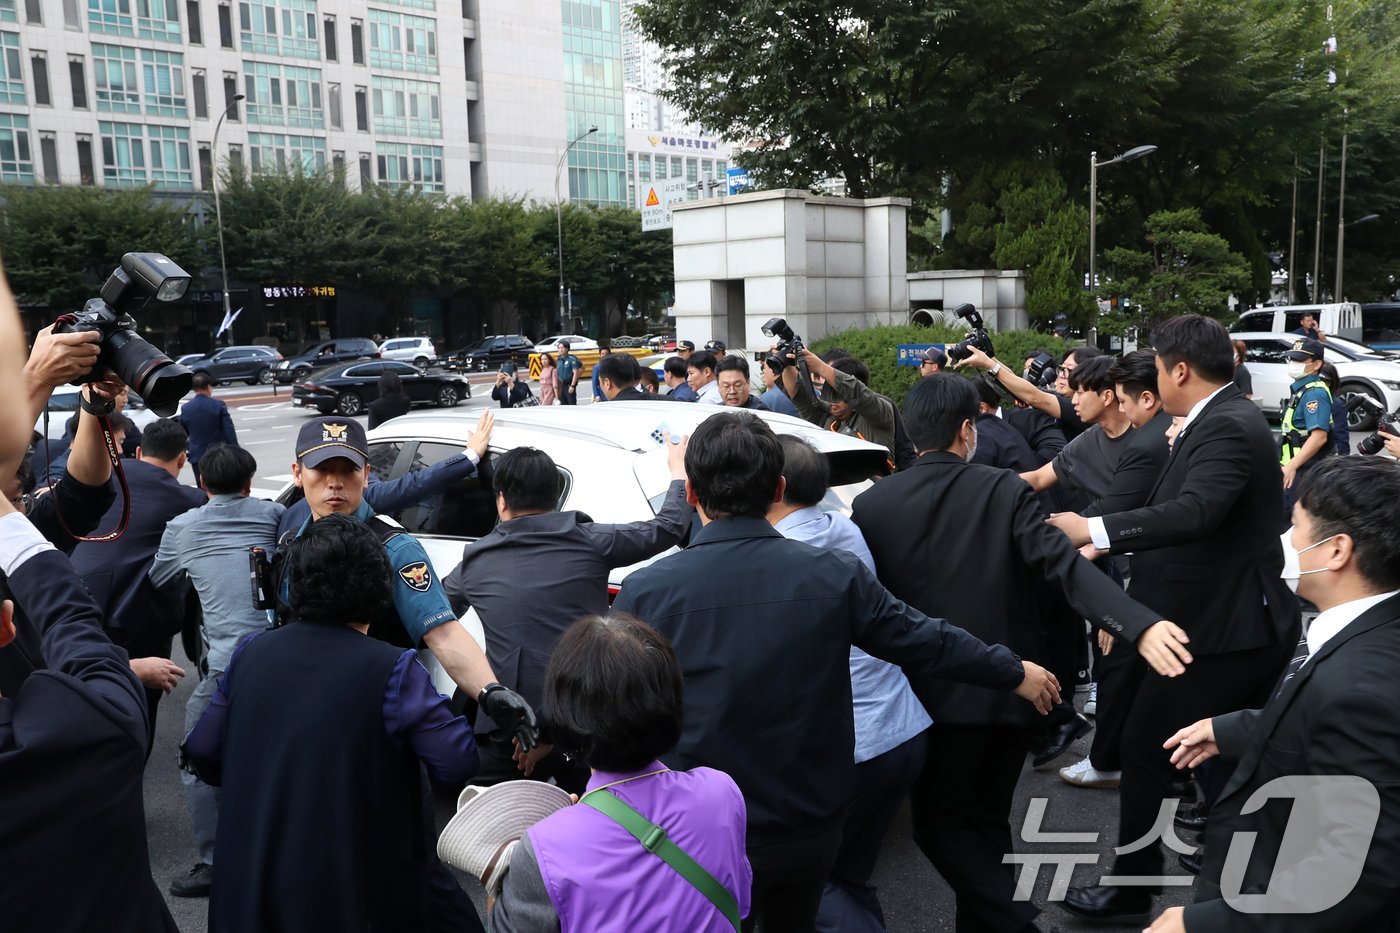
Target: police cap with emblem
<point x="324" y="438"/>
<point x="1306" y="348"/>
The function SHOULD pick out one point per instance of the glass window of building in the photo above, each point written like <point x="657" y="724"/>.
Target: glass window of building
<point x="114" y="71"/>
<point x="206" y="168"/>
<point x="9" y="13"/>
<point x="192" y="23"/>
<point x="141" y="19"/>
<point x="279" y="27"/>
<point x="39" y="64"/>
<point x="171" y="166"/>
<point x="402" y="42"/>
<point x="72" y="16"/>
<point x="328" y="27"/>
<point x="11" y="70"/>
<point x="404" y="164"/>
<point x="333" y="104"/>
<point x="86" y="174"/>
<point x="357" y="42"/>
<point x="225" y="26"/>
<point x="48" y="153"/>
<point x="78" y="82"/>
<point x="201" y="95"/>
<point x="407" y="108"/>
<point x="34" y="13"/>
<point x="163" y="78"/>
<point x="274" y="152"/>
<point x="283" y="95"/>
<point x="16" y="160"/>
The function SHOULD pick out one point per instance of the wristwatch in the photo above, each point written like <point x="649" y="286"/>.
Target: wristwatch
<point x="994" y="370"/>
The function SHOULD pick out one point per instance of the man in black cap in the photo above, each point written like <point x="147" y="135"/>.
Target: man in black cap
<point x="1306" y="433"/>
<point x="331" y="469"/>
<point x="718" y="347"/>
<point x="932" y="361"/>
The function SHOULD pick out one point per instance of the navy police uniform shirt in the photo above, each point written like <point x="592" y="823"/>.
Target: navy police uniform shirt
<point x="419" y="599"/>
<point x="1314" y="409"/>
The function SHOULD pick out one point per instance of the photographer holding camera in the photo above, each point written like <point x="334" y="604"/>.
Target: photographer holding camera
<point x="854" y="409"/>
<point x="1056" y="404"/>
<point x="73" y="737"/>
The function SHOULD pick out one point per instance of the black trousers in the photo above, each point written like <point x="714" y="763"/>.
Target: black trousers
<point x="498" y="766"/>
<point x="789" y="870"/>
<point x="1118" y="673"/>
<point x="1212" y="685"/>
<point x="568" y="396"/>
<point x="961" y="809"/>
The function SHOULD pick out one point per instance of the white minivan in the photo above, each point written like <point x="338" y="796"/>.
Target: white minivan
<point x="1342" y="320"/>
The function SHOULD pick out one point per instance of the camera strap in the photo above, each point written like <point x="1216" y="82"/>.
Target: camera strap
<point x="114" y="455"/>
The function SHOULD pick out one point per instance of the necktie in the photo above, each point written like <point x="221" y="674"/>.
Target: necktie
<point x="1300" y="657"/>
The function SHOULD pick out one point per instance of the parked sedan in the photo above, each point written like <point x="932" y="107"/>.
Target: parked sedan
<point x="490" y="352"/>
<point x="325" y="353"/>
<point x="610" y="468"/>
<point x="575" y="342"/>
<point x="1362" y="371"/>
<point x="252" y="364"/>
<point x="350" y="387"/>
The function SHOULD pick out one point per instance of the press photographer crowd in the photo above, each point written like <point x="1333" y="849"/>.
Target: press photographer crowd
<point x="1111" y="548"/>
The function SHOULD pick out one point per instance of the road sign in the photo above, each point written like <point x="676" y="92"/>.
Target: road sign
<point x="739" y="181"/>
<point x="910" y="353"/>
<point x="656" y="200"/>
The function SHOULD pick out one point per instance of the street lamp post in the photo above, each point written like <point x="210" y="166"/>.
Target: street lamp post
<point x="218" y="210"/>
<point x="559" y="214"/>
<point x="1341" y="232"/>
<point x="1137" y="152"/>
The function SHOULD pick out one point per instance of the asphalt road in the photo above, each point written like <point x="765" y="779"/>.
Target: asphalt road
<point x="915" y="898"/>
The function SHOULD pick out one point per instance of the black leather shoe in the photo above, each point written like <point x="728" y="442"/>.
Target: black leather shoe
<point x="1191" y="861"/>
<point x="1051" y="745"/>
<point x="1103" y="902"/>
<point x="1191" y="819"/>
<point x="194" y="883"/>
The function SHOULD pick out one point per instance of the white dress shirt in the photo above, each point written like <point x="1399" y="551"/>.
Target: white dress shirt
<point x="1330" y="623"/>
<point x="19" y="541"/>
<point x="1097" y="532"/>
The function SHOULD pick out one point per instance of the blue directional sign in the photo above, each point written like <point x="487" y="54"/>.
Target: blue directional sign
<point x="738" y="180"/>
<point x="910" y="353"/>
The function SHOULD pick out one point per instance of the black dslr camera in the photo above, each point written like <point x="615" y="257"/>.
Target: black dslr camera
<point x="1389" y="424"/>
<point x="979" y="337"/>
<point x="1041" y="371"/>
<point x="160" y="381"/>
<point x="788" y="342"/>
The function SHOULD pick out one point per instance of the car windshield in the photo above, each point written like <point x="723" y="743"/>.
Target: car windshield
<point x="482" y="344"/>
<point x="1351" y="348"/>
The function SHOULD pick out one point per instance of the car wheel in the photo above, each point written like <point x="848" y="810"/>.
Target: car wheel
<point x="1362" y="418"/>
<point x="349" y="404"/>
<point x="421" y="362"/>
<point x="447" y="396"/>
<point x="265" y="376"/>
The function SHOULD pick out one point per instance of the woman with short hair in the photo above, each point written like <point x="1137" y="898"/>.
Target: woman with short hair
<point x="613" y="696"/>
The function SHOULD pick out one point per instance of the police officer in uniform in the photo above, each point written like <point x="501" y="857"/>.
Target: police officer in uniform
<point x="331" y="469"/>
<point x="1307" y="419"/>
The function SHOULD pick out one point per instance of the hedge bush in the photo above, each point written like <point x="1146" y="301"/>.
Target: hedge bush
<point x="878" y="347"/>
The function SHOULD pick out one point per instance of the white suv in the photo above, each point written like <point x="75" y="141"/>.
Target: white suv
<point x="416" y="350"/>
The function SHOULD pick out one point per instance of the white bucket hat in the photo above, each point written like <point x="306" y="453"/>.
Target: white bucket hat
<point x="488" y="824"/>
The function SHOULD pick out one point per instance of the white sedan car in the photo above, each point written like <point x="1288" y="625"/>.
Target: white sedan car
<point x="575" y="342"/>
<point x="64" y="402"/>
<point x="1362" y="370"/>
<point x="611" y="468"/>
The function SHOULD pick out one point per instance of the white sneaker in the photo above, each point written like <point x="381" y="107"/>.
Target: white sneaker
<point x="1084" y="774"/>
<point x="1091" y="705"/>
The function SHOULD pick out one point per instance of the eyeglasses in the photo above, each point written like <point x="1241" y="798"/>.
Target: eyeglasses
<point x="1064" y="370"/>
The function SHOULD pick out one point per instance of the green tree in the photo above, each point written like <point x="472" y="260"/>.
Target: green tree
<point x="637" y="265"/>
<point x="407" y="232"/>
<point x="1045" y="235"/>
<point x="491" y="253"/>
<point x="61" y="243"/>
<point x="1186" y="270"/>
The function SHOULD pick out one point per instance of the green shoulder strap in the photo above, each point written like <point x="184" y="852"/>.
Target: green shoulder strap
<point x="654" y="839"/>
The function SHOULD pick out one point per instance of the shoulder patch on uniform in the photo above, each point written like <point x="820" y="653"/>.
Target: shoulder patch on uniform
<point x="417" y="575"/>
<point x="1312" y="407"/>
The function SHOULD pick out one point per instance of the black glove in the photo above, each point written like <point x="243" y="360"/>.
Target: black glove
<point x="509" y="710"/>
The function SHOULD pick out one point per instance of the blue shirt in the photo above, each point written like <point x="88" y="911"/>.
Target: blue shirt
<point x="1313" y="411"/>
<point x="567" y="366"/>
<point x="887" y="713"/>
<point x="683" y="393"/>
<point x="419" y="599"/>
<point x="777" y="400"/>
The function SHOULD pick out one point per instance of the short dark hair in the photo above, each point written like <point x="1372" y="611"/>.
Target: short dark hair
<point x="621" y="369"/>
<point x="1136" y="372"/>
<point x="528" y="478"/>
<point x="674" y="366"/>
<point x="613" y="693"/>
<point x="935" y="409"/>
<point x="649" y="378"/>
<point x="120" y="422"/>
<point x="163" y="439"/>
<point x="1080" y="355"/>
<point x="201" y="381"/>
<point x="986" y="394"/>
<point x="225" y="469"/>
<point x="734" y="462"/>
<point x="1348" y="495"/>
<point x="854" y="367"/>
<point x="1092" y="374"/>
<point x="390" y="384"/>
<point x="1202" y="343"/>
<point x="338" y="572"/>
<point x="701" y="359"/>
<point x="733" y="363"/>
<point x="806" y="470"/>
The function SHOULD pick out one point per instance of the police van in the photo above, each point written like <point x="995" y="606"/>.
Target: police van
<point x="1342" y="319"/>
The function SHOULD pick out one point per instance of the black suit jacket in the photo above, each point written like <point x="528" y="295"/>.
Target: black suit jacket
<point x="72" y="756"/>
<point x="136" y="614"/>
<point x="1336" y="716"/>
<point x="969" y="543"/>
<point x="207" y="421"/>
<point x="1205" y="548"/>
<point x="763" y="628"/>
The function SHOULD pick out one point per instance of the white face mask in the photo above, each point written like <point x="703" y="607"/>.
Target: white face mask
<point x="1292" y="565"/>
<point x="972" y="442"/>
<point x="1297" y="370"/>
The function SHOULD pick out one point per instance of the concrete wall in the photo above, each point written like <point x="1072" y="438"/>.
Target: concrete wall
<point x="999" y="295"/>
<point x="823" y="264"/>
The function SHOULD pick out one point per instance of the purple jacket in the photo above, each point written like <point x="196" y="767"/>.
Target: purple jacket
<point x="600" y="878"/>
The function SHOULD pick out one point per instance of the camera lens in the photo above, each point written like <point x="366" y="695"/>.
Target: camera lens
<point x="1370" y="444"/>
<point x="158" y="379"/>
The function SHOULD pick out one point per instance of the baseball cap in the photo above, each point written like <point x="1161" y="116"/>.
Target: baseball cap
<point x="321" y="439"/>
<point x="685" y="345"/>
<point x="934" y="355"/>
<point x="717" y="347"/>
<point x="1306" y="348"/>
